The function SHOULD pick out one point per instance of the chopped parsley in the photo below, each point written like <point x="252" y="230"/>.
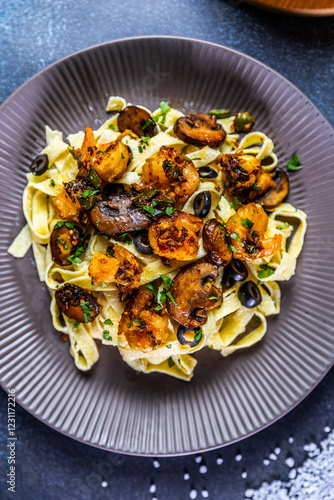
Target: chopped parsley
<point x="252" y="249"/>
<point x="146" y="140"/>
<point x="236" y="201"/>
<point x="222" y="225"/>
<point x="164" y="108"/>
<point x="70" y="225"/>
<point x="52" y="183"/>
<point x="266" y="271"/>
<point x="286" y="224"/>
<point x="198" y="335"/>
<point x="147" y="124"/>
<point x="76" y="325"/>
<point x="260" y="282"/>
<point x="157" y="308"/>
<point x="170" y="296"/>
<point x="111" y="126"/>
<point x="167" y="280"/>
<point x="214" y="298"/>
<point x="136" y="321"/>
<point x="234" y="250"/>
<point x="125" y="237"/>
<point x="122" y="156"/>
<point x="106" y="335"/>
<point x="235" y="236"/>
<point x="154" y="290"/>
<point x="140" y="149"/>
<point x="247" y="223"/>
<point x="151" y="210"/>
<point x="108" y="322"/>
<point x="60" y="240"/>
<point x="257" y="188"/>
<point x="87" y="310"/>
<point x="169" y="346"/>
<point x="104" y="284"/>
<point x="170" y="362"/>
<point x="170" y="210"/>
<point x="292" y="164"/>
<point x="59" y="224"/>
<point x="89" y="192"/>
<point x="279" y="227"/>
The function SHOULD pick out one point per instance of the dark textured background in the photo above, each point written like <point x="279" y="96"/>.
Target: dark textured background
<point x="34" y="34"/>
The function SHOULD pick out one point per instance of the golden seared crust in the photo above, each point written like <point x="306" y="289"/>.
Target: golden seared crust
<point x="144" y="328"/>
<point x="247" y="233"/>
<point x="175" y="237"/>
<point x="244" y="177"/>
<point x="171" y="174"/>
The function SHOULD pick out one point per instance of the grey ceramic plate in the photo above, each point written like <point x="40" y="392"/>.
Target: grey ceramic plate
<point x="112" y="407"/>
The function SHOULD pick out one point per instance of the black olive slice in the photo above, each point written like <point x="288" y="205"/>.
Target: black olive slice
<point x="227" y="280"/>
<point x="249" y="295"/>
<point x="238" y="270"/>
<point x="202" y="204"/>
<point x="207" y="173"/>
<point x="40" y="164"/>
<point x="111" y="190"/>
<point x="181" y="331"/>
<point x="142" y="244"/>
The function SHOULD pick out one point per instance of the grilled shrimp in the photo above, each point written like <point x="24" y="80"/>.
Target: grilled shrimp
<point x="123" y="269"/>
<point x="171" y="174"/>
<point x="144" y="328"/>
<point x="244" y="177"/>
<point x="247" y="233"/>
<point x="175" y="237"/>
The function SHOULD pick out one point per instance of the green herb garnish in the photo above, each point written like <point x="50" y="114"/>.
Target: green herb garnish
<point x="266" y="271"/>
<point x="247" y="223"/>
<point x="292" y="164"/>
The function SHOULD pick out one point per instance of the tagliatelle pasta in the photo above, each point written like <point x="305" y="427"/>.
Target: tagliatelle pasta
<point x="230" y="325"/>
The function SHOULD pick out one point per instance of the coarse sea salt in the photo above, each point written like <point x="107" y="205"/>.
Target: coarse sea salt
<point x="314" y="480"/>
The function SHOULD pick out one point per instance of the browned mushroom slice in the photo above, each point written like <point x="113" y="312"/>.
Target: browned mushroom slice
<point x="199" y="129"/>
<point x="64" y="240"/>
<point x="138" y="120"/>
<point x="276" y="194"/>
<point x="77" y="304"/>
<point x="194" y="293"/>
<point x="117" y="216"/>
<point x="216" y="244"/>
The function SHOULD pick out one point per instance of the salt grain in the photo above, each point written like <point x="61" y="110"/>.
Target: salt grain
<point x="153" y="488"/>
<point x="219" y="460"/>
<point x="193" y="494"/>
<point x="290" y="462"/>
<point x="238" y="457"/>
<point x="314" y="480"/>
<point x="156" y="464"/>
<point x="203" y="469"/>
<point x="104" y="484"/>
<point x="205" y="493"/>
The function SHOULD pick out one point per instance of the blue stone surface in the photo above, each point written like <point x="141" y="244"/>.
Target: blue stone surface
<point x="35" y="33"/>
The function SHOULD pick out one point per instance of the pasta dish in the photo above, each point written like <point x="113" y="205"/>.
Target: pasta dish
<point x="161" y="233"/>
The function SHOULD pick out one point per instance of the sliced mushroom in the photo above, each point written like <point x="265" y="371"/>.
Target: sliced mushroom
<point x="138" y="120"/>
<point x="216" y="243"/>
<point x="118" y="215"/>
<point x="200" y="129"/>
<point x="64" y="240"/>
<point x="77" y="304"/>
<point x="194" y="293"/>
<point x="276" y="194"/>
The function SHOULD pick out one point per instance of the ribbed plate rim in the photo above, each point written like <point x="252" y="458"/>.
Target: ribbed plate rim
<point x="314" y="109"/>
